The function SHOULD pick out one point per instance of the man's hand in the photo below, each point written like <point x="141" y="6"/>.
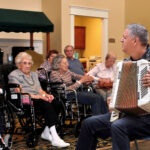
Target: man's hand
<point x="105" y="83"/>
<point x="146" y="79"/>
<point x="108" y="102"/>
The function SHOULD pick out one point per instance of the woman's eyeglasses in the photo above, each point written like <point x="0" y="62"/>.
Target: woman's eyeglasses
<point x="26" y="63"/>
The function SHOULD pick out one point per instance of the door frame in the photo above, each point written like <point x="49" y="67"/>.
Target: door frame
<point x="91" y="12"/>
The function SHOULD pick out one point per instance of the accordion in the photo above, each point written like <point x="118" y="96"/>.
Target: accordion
<point x="128" y="94"/>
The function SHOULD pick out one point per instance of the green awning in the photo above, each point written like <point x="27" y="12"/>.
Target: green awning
<point x="24" y="21"/>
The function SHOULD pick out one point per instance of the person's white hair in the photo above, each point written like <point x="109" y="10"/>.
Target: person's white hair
<point x="57" y="61"/>
<point x="22" y="55"/>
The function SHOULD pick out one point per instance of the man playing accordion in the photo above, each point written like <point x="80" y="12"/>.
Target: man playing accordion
<point x="129" y="127"/>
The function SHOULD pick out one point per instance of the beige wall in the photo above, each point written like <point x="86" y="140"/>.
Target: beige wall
<point x="33" y="5"/>
<point x="52" y="8"/>
<point x="138" y="13"/>
<point x="121" y="13"/>
<point x="115" y="22"/>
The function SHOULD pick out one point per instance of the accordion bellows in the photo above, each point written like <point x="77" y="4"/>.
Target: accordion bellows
<point x="128" y="94"/>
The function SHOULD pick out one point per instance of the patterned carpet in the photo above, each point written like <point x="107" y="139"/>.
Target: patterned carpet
<point x="68" y="134"/>
<point x="19" y="142"/>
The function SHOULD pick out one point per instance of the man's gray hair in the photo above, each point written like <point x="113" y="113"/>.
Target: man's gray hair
<point x="57" y="61"/>
<point x="22" y="55"/>
<point x="137" y="30"/>
<point x="67" y="47"/>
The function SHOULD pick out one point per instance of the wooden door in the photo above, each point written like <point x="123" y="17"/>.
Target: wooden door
<point x="79" y="37"/>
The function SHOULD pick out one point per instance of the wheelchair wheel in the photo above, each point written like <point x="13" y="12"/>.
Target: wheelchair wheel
<point x="7" y="118"/>
<point x="32" y="140"/>
<point x="8" y="141"/>
<point x="24" y="122"/>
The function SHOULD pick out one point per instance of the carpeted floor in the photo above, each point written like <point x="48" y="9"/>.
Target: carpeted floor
<point x="19" y="143"/>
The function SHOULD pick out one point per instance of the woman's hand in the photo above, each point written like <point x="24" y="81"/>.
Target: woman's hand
<point x="86" y="79"/>
<point x="18" y="90"/>
<point x="47" y="97"/>
<point x="44" y="96"/>
<point x="146" y="79"/>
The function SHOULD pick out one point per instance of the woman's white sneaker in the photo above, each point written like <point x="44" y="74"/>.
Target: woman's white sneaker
<point x="46" y="136"/>
<point x="60" y="143"/>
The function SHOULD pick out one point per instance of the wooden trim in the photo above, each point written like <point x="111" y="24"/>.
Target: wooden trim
<point x="31" y="39"/>
<point x="48" y="41"/>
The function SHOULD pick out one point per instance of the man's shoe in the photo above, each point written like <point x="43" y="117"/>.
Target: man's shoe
<point x="60" y="143"/>
<point x="46" y="136"/>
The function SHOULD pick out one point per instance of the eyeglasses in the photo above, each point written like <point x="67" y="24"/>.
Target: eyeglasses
<point x="69" y="50"/>
<point x="26" y="63"/>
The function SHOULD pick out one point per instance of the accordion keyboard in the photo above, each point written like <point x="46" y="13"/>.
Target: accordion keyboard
<point x="144" y="90"/>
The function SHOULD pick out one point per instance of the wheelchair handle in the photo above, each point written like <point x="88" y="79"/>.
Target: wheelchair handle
<point x="46" y="73"/>
<point x="41" y="69"/>
<point x="56" y="83"/>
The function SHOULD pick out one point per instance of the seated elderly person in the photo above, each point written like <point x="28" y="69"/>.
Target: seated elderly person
<point x="103" y="74"/>
<point x="61" y="73"/>
<point x="47" y="64"/>
<point x="74" y="64"/>
<point x="29" y="83"/>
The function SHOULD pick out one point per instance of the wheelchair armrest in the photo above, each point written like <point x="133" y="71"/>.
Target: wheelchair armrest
<point x="26" y="94"/>
<point x="74" y="91"/>
<point x="13" y="85"/>
<point x="56" y="83"/>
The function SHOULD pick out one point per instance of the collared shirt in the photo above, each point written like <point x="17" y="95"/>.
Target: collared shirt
<point x="29" y="84"/>
<point x="100" y="71"/>
<point x="46" y="65"/>
<point x="75" y="66"/>
<point x="145" y="56"/>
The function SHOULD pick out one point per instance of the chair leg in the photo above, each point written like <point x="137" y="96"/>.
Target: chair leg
<point x="136" y="145"/>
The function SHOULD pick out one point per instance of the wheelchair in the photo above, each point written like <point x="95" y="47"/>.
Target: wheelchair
<point x="6" y="122"/>
<point x="74" y="112"/>
<point x="23" y="112"/>
<point x="71" y="110"/>
<point x="18" y="108"/>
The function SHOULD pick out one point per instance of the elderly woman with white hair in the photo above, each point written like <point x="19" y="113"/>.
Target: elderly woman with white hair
<point x="61" y="73"/>
<point x="29" y="83"/>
